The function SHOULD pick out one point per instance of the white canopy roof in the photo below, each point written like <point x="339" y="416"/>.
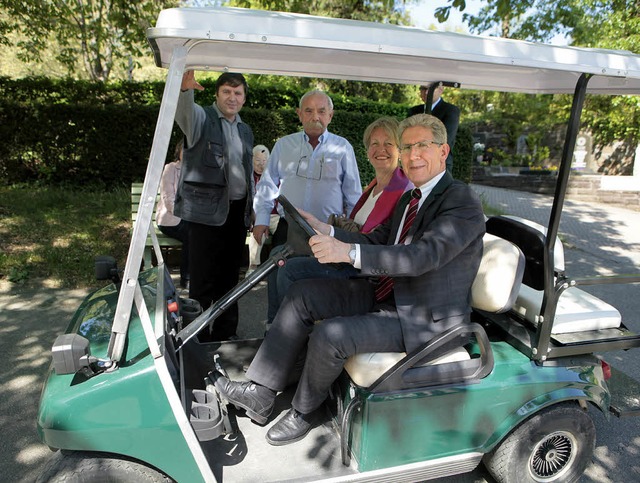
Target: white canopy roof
<point x="260" y="42"/>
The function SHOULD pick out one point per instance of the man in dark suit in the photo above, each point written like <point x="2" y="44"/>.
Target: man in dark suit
<point x="446" y="112"/>
<point x="431" y="265"/>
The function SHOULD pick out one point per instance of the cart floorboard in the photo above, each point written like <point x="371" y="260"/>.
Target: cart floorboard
<point x="235" y="457"/>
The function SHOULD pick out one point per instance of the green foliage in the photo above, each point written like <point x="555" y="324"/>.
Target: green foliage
<point x="44" y="90"/>
<point x="70" y="144"/>
<point x="275" y="92"/>
<point x="91" y="36"/>
<point x="55" y="233"/>
<point x="463" y="153"/>
<point x="351" y="126"/>
<point x="75" y="133"/>
<point x="387" y="11"/>
<point x="612" y="24"/>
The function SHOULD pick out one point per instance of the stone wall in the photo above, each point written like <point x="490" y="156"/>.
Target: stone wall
<point x="581" y="187"/>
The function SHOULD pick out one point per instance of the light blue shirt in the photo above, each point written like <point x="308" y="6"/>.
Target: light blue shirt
<point x="321" y="181"/>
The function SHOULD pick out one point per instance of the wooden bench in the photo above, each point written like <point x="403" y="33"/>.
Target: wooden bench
<point x="163" y="240"/>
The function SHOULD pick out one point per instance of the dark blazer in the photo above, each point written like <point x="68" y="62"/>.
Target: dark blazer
<point x="434" y="273"/>
<point x="450" y="117"/>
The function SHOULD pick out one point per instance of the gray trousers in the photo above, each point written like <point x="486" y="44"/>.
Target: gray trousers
<point x="325" y="322"/>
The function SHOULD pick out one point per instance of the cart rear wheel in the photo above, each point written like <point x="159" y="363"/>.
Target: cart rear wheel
<point x="555" y="445"/>
<point x="81" y="467"/>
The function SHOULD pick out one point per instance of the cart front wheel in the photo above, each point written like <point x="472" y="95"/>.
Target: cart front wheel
<point x="555" y="445"/>
<point x="78" y="466"/>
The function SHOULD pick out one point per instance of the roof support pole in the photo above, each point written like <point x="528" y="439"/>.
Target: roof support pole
<point x="143" y="222"/>
<point x="551" y="292"/>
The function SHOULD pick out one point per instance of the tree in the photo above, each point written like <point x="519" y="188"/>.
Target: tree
<point x="610" y="24"/>
<point x="536" y="20"/>
<point x="588" y="23"/>
<point x="91" y="34"/>
<point x="384" y="11"/>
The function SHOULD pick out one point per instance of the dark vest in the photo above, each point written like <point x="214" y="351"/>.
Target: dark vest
<point x="203" y="191"/>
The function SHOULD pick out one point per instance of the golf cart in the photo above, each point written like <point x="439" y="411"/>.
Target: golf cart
<point x="129" y="397"/>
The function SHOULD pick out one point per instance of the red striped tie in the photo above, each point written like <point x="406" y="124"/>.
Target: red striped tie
<point x="385" y="284"/>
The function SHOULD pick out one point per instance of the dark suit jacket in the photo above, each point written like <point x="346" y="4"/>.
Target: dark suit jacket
<point x="450" y="117"/>
<point x="434" y="273"/>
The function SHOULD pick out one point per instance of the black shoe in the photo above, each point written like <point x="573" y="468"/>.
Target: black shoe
<point x="255" y="399"/>
<point x="293" y="427"/>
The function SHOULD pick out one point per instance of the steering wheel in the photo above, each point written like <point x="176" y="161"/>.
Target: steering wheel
<point x="296" y="216"/>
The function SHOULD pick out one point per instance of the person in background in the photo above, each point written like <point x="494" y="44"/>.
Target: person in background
<point x="374" y="207"/>
<point x="260" y="158"/>
<point x="214" y="194"/>
<point x="167" y="222"/>
<point x="315" y="169"/>
<point x="425" y="258"/>
<point x="446" y="112"/>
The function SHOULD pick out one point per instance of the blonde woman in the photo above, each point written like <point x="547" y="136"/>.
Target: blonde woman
<point x="374" y="207"/>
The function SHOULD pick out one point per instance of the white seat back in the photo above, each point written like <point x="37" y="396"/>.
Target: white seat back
<point x="499" y="277"/>
<point x="494" y="289"/>
<point x="558" y="249"/>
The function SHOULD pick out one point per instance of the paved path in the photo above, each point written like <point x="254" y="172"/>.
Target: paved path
<point x="609" y="234"/>
<point x="598" y="240"/>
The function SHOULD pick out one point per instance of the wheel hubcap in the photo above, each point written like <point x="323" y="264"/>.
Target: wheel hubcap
<point x="552" y="457"/>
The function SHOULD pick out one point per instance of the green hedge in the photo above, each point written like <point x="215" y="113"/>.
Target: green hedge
<point x="262" y="95"/>
<point x="463" y="154"/>
<point x="78" y="133"/>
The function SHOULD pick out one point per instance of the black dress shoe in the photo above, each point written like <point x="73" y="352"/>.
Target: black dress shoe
<point x="255" y="399"/>
<point x="293" y="427"/>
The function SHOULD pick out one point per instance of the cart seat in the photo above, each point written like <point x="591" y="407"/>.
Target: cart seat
<point x="576" y="311"/>
<point x="494" y="289"/>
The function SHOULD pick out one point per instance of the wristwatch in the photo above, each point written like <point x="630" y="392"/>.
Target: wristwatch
<point x="352" y="254"/>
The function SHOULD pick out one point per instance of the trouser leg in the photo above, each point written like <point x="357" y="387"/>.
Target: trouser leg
<point x="227" y="275"/>
<point x="183" y="230"/>
<point x="200" y="261"/>
<point x="333" y="341"/>
<point x="279" y="238"/>
<point x="300" y="268"/>
<point x="215" y="254"/>
<point x="306" y="302"/>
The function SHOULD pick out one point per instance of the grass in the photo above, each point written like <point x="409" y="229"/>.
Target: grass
<point x="54" y="234"/>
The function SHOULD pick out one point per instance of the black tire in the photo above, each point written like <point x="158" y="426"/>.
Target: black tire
<point x="87" y="467"/>
<point x="555" y="445"/>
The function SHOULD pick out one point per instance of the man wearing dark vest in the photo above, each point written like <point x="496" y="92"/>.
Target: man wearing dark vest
<point x="446" y="112"/>
<point x="425" y="258"/>
<point x="214" y="194"/>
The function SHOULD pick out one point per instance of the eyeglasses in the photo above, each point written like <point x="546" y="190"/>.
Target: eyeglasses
<point x="421" y="146"/>
<point x="304" y="170"/>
